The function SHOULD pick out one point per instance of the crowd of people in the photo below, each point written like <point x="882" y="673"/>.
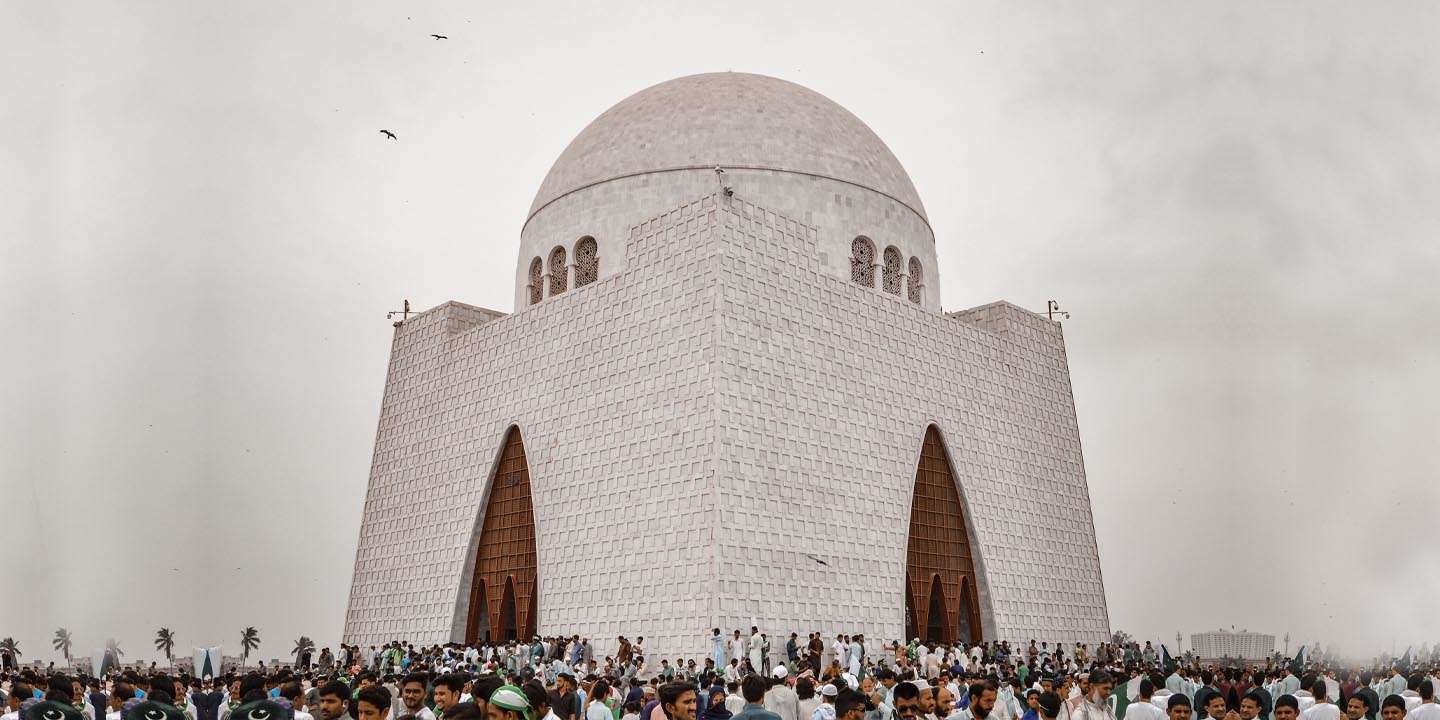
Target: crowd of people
<point x="746" y="676"/>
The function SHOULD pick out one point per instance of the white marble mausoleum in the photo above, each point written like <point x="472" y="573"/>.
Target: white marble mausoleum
<point x="727" y="399"/>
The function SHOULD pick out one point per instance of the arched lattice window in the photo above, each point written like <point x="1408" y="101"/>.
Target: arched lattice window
<point x="862" y="261"/>
<point x="559" y="274"/>
<point x="892" y="270"/>
<point x="587" y="261"/>
<point x="916" y="279"/>
<point x="537" y="290"/>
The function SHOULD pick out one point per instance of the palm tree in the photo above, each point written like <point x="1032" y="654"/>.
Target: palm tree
<point x="165" y="641"/>
<point x="302" y="646"/>
<point x="10" y="649"/>
<point x="62" y="643"/>
<point x="249" y="640"/>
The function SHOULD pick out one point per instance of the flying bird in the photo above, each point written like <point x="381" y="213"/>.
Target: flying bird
<point x="439" y="37"/>
<point x="388" y="134"/>
<point x="818" y="560"/>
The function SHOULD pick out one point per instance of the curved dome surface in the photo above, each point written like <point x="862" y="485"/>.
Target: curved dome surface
<point x="733" y="120"/>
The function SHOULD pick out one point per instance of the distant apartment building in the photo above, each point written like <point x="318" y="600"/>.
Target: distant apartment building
<point x="1244" y="645"/>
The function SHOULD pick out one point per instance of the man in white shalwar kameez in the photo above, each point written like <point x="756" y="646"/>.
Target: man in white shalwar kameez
<point x="1427" y="709"/>
<point x="1394" y="686"/>
<point x="1304" y="699"/>
<point x="1289" y="685"/>
<point x="1004" y="703"/>
<point x="757" y="660"/>
<point x="717" y="648"/>
<point x="1174" y="683"/>
<point x="1412" y="700"/>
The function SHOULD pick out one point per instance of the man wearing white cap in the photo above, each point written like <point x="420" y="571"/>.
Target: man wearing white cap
<point x="927" y="700"/>
<point x="826" y="709"/>
<point x="780" y="699"/>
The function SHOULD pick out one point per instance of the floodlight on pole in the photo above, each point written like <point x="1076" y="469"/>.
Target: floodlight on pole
<point x="1052" y="309"/>
<point x="404" y="314"/>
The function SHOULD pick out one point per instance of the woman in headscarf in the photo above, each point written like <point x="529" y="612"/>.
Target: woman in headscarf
<point x="715" y="709"/>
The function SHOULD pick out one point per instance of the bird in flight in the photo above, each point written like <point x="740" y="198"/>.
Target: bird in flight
<point x="818" y="560"/>
<point x="388" y="134"/>
<point x="439" y="37"/>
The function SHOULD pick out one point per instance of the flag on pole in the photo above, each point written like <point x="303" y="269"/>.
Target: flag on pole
<point x="207" y="662"/>
<point x="1297" y="666"/>
<point x="1405" y="661"/>
<point x="1125" y="694"/>
<point x="103" y="661"/>
<point x="1166" y="661"/>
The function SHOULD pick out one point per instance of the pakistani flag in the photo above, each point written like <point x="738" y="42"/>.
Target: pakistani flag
<point x="1404" y="662"/>
<point x="103" y="661"/>
<point x="1125" y="694"/>
<point x="207" y="662"/>
<point x="1166" y="661"/>
<point x="1297" y="666"/>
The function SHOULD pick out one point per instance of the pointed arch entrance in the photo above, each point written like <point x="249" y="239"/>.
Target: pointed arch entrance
<point x="939" y="629"/>
<point x="505" y="553"/>
<point x="479" y="618"/>
<point x="968" y="620"/>
<point x="507" y="612"/>
<point x="939" y="567"/>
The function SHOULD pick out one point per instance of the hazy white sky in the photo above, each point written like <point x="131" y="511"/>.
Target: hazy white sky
<point x="201" y="230"/>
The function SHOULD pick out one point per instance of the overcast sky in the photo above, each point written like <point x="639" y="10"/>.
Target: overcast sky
<point x="201" y="230"/>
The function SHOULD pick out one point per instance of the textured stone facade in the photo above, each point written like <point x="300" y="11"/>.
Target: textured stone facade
<point x="700" y="422"/>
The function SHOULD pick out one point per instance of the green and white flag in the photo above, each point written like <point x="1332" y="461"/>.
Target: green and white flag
<point x="1124" y="695"/>
<point x="207" y="662"/>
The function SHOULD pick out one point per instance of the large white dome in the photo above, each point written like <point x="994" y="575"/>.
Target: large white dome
<point x="736" y="120"/>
